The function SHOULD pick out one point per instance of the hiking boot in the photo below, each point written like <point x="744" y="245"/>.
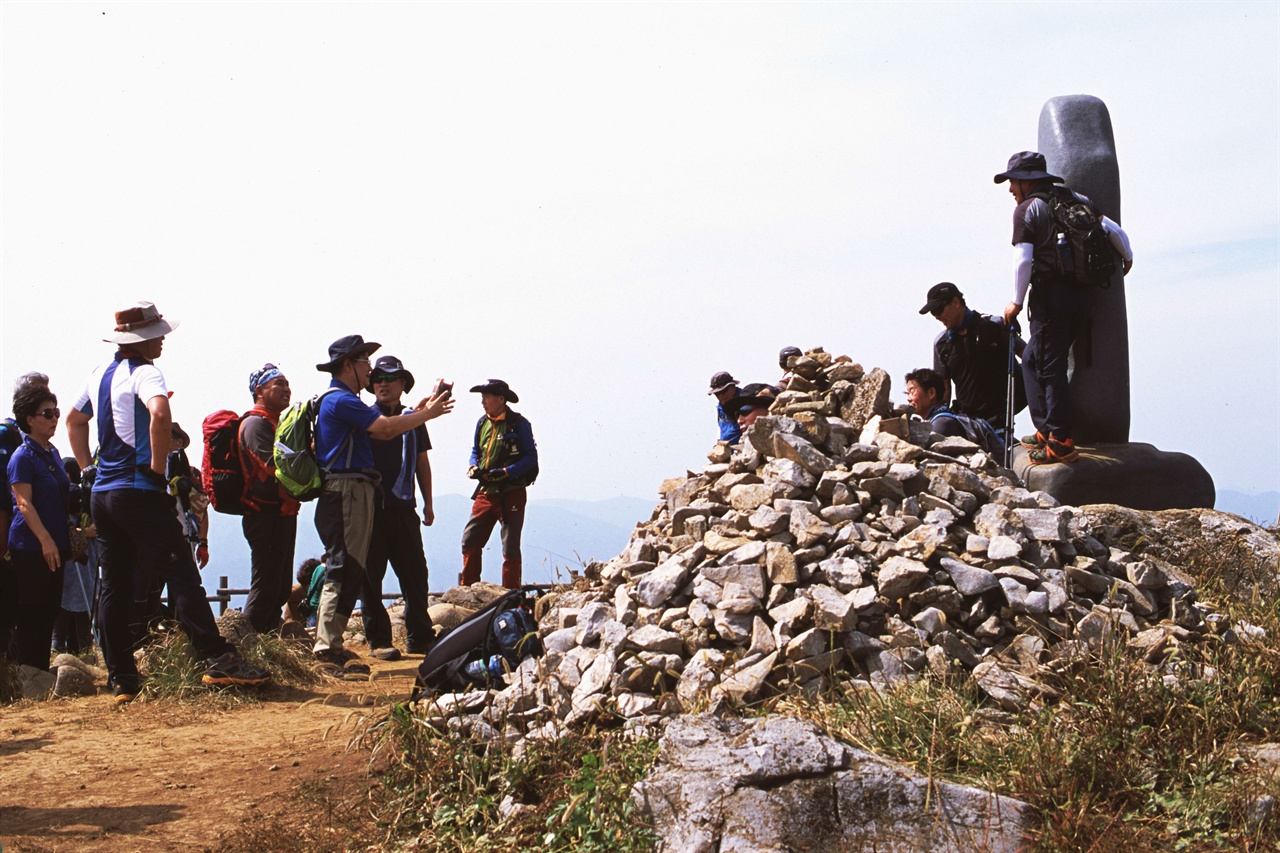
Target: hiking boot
<point x="388" y="654"/>
<point x="230" y="668"/>
<point x="423" y="649"/>
<point x="124" y="695"/>
<point x="1054" y="451"/>
<point x="1032" y="442"/>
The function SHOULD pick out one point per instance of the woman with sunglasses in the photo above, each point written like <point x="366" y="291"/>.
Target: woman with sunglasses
<point x="38" y="537"/>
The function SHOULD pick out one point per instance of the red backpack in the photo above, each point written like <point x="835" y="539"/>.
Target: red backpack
<point x="222" y="475"/>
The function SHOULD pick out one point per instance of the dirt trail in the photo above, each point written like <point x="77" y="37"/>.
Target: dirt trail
<point x="77" y="774"/>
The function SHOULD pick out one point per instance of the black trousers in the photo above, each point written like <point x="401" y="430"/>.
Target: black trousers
<point x="397" y="537"/>
<point x="39" y="600"/>
<point x="8" y="604"/>
<point x="271" y="539"/>
<point x="72" y="632"/>
<point x="137" y="529"/>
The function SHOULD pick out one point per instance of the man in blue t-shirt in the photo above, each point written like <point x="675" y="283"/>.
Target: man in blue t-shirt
<point x="404" y="464"/>
<point x="725" y="389"/>
<point x="138" y="530"/>
<point x="345" y="429"/>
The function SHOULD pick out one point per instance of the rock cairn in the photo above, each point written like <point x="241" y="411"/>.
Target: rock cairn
<point x="836" y="536"/>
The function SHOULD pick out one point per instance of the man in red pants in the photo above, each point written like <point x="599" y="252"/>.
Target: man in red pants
<point x="504" y="462"/>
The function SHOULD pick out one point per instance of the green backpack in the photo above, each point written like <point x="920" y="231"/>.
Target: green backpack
<point x="294" y="452"/>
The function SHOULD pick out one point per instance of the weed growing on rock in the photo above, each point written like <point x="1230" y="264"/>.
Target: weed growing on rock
<point x="446" y="792"/>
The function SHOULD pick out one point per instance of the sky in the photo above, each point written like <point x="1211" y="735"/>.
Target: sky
<point x="604" y="204"/>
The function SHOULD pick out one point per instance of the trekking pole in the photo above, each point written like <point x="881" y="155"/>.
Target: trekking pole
<point x="1011" y="391"/>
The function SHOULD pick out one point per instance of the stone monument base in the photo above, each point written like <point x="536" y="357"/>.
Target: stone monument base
<point x="1137" y="476"/>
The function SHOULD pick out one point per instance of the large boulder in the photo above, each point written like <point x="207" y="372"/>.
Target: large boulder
<point x="1243" y="555"/>
<point x="779" y="783"/>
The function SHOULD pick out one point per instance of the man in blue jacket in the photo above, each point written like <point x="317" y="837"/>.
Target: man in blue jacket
<point x="504" y="462"/>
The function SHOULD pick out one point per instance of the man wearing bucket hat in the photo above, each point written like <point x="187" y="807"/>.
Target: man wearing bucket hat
<point x="725" y="388"/>
<point x="1059" y="309"/>
<point x="403" y="463"/>
<point x="270" y="520"/>
<point x="504" y="462"/>
<point x="132" y="508"/>
<point x="345" y="430"/>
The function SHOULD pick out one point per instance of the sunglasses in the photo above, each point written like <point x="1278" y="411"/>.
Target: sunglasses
<point x="937" y="312"/>
<point x="49" y="414"/>
<point x="385" y="377"/>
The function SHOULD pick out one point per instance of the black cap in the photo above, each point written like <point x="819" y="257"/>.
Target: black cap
<point x="1027" y="166"/>
<point x="741" y="405"/>
<point x="721" y="381"/>
<point x="389" y="365"/>
<point x="940" y="295"/>
<point x="347" y="347"/>
<point x="498" y="387"/>
<point x="786" y="353"/>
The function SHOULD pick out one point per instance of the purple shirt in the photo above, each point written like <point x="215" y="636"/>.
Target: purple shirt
<point x="50" y="495"/>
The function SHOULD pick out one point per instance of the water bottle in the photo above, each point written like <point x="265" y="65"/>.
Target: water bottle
<point x="483" y="670"/>
<point x="1065" y="261"/>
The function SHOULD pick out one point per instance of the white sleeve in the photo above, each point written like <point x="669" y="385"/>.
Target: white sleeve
<point x="88" y="394"/>
<point x="148" y="382"/>
<point x="1118" y="238"/>
<point x="1023" y="254"/>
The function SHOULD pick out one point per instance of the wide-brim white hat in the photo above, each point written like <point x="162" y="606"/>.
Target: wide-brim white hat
<point x="140" y="322"/>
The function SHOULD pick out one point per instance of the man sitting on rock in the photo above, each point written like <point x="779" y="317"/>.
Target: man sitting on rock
<point x="725" y="389"/>
<point x="785" y="355"/>
<point x="973" y="353"/>
<point x="924" y="394"/>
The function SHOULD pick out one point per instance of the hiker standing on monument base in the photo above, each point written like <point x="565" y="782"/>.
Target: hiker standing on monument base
<point x="270" y="520"/>
<point x="1060" y="305"/>
<point x="131" y="506"/>
<point x="504" y="462"/>
<point x="404" y="463"/>
<point x="344" y="429"/>
<point x="972" y="353"/>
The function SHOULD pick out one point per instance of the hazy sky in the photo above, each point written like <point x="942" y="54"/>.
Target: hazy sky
<point x="605" y="203"/>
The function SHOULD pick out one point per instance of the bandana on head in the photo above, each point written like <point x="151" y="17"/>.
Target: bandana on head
<point x="262" y="376"/>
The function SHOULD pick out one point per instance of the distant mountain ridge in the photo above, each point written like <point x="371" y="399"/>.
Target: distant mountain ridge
<point x="559" y="534"/>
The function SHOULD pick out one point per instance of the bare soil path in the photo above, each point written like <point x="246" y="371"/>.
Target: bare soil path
<point x="78" y="774"/>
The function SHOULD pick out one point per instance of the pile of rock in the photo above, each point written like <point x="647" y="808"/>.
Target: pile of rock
<point x="837" y="537"/>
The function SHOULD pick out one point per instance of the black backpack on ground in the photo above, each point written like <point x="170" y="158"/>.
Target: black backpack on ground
<point x="1085" y="255"/>
<point x="503" y="629"/>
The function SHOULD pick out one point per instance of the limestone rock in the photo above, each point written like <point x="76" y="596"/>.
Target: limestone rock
<point x="35" y="683"/>
<point x="870" y="398"/>
<point x="661" y="584"/>
<point x="899" y="576"/>
<point x="779" y="784"/>
<point x="73" y="681"/>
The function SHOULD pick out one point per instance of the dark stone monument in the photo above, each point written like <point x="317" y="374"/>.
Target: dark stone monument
<point x="1076" y="139"/>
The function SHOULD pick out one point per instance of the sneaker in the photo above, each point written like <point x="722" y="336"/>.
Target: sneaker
<point x="123" y="696"/>
<point x="1055" y="451"/>
<point x="230" y="668"/>
<point x="1032" y="442"/>
<point x="388" y="654"/>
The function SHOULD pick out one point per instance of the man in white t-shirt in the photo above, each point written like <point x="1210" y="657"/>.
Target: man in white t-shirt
<point x="137" y="527"/>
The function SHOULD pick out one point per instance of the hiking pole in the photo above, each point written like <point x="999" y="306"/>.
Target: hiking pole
<point x="1010" y="398"/>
